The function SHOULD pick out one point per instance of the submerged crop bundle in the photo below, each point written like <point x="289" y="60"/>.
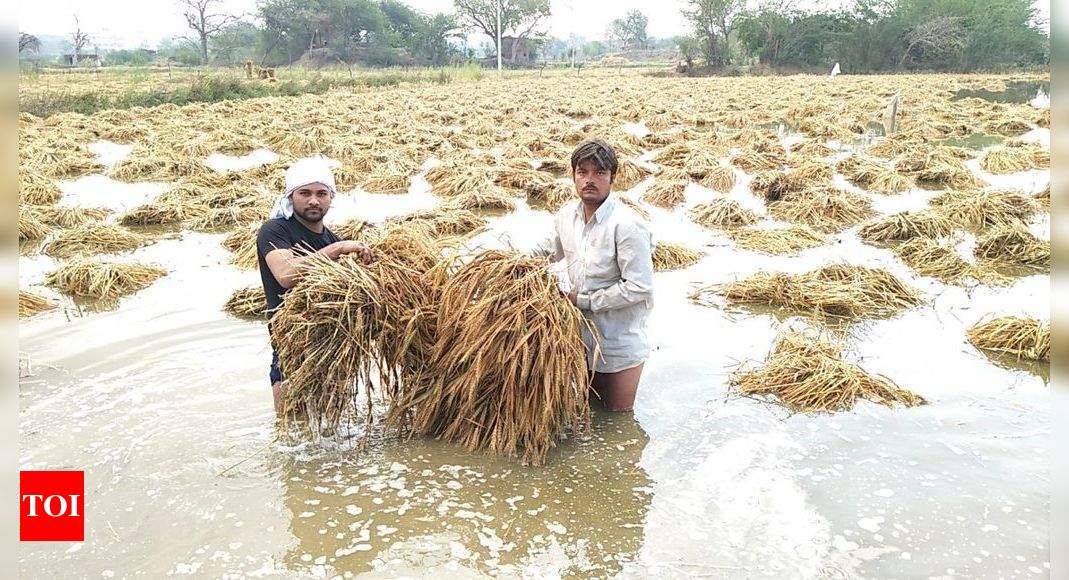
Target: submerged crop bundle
<point x="31" y="227"/>
<point x="939" y="166"/>
<point x="905" y="225"/>
<point x="722" y="213"/>
<point x="828" y="209"/>
<point x="979" y="209"/>
<point x="929" y="257"/>
<point x="671" y="256"/>
<point x="31" y="304"/>
<point x="247" y="303"/>
<point x="666" y="192"/>
<point x="552" y="196"/>
<point x="1001" y="160"/>
<point x="784" y="241"/>
<point x="629" y="175"/>
<point x="1020" y="337"/>
<point x="103" y="279"/>
<point x="36" y="189"/>
<point x="1013" y="246"/>
<point x="70" y="216"/>
<point x="873" y="176"/>
<point x="95" y="238"/>
<point x="840" y="290"/>
<point x="807" y="374"/>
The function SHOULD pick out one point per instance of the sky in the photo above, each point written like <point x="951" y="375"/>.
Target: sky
<point x="133" y="23"/>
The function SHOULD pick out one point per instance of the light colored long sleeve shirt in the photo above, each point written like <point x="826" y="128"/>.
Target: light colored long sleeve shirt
<point x="609" y="262"/>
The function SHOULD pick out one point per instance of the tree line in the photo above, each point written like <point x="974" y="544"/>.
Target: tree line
<point x="725" y="35"/>
<point x="868" y="35"/>
<point x="366" y="32"/>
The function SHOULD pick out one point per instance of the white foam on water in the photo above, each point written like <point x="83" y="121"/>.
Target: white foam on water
<point x="101" y="191"/>
<point x="221" y="162"/>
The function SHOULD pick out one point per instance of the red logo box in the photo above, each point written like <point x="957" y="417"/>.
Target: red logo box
<point x="52" y="506"/>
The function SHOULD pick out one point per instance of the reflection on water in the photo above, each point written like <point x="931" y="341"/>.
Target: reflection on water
<point x="975" y="141"/>
<point x="1017" y="92"/>
<point x="409" y="504"/>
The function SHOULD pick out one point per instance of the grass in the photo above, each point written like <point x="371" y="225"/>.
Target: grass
<point x="46" y="94"/>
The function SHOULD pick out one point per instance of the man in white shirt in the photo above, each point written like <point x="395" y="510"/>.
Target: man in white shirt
<point x="607" y="249"/>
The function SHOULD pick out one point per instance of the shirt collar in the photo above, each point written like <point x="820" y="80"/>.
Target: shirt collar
<point x="603" y="211"/>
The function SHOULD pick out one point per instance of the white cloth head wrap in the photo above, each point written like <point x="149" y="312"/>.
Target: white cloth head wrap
<point x="301" y="173"/>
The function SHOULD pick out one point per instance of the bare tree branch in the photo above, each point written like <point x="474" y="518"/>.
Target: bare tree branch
<point x="944" y="33"/>
<point x="202" y="17"/>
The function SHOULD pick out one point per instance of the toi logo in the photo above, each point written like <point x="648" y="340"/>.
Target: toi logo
<point x="52" y="506"/>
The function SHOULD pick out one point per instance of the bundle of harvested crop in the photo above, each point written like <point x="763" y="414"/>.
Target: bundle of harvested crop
<point x="806" y="374"/>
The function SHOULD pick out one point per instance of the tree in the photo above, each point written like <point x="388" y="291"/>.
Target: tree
<point x="79" y="40"/>
<point x="202" y="17"/>
<point x="350" y="29"/>
<point x="236" y="43"/>
<point x="630" y="31"/>
<point x="943" y="34"/>
<point x="713" y="21"/>
<point x="519" y="18"/>
<point x="689" y="47"/>
<point x="28" y="43"/>
<point x="433" y="41"/>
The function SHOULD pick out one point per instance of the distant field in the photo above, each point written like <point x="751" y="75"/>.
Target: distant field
<point x="51" y="91"/>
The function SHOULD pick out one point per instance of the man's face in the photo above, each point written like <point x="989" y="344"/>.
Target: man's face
<point x="591" y="182"/>
<point x="311" y="202"/>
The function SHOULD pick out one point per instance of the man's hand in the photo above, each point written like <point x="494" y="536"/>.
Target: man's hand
<point x="573" y="297"/>
<point x="338" y="249"/>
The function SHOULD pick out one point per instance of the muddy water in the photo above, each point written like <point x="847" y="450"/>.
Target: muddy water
<point x="164" y="402"/>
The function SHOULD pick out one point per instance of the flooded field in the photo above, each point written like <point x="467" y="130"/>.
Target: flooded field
<point x="164" y="401"/>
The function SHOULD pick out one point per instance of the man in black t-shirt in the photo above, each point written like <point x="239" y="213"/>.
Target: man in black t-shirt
<point x="294" y="230"/>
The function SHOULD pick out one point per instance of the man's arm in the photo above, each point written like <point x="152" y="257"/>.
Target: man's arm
<point x="287" y="267"/>
<point x="634" y="256"/>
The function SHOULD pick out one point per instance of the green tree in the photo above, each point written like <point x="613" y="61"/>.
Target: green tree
<point x="519" y="19"/>
<point x="434" y="40"/>
<point x="630" y="31"/>
<point x="349" y="29"/>
<point x="713" y="22"/>
<point x="237" y="43"/>
<point x="689" y="49"/>
<point x="29" y="43"/>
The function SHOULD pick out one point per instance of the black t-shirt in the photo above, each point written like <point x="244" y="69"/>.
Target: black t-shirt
<point x="285" y="234"/>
